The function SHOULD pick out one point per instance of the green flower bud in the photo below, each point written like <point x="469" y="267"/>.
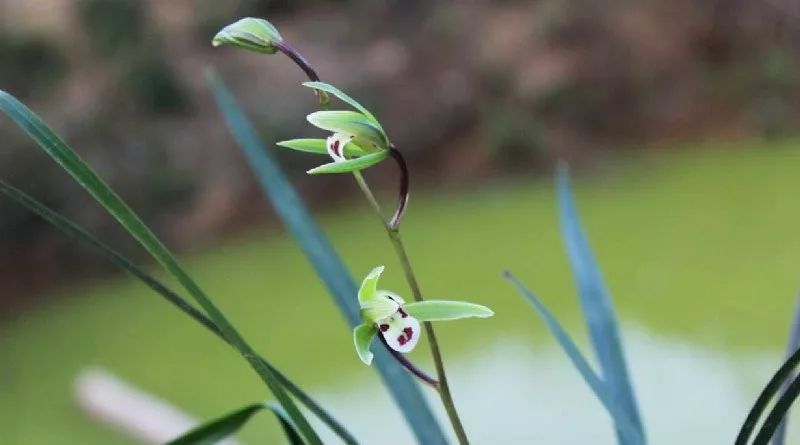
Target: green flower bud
<point x="250" y="33"/>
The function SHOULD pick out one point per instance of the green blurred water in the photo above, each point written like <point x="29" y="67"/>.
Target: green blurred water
<point x="699" y="248"/>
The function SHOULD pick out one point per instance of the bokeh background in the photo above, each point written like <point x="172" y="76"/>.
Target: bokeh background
<point x="679" y="119"/>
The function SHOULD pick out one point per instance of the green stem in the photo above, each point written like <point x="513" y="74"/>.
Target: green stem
<point x="443" y="388"/>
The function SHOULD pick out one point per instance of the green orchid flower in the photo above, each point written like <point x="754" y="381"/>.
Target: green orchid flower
<point x="357" y="140"/>
<point x="398" y="322"/>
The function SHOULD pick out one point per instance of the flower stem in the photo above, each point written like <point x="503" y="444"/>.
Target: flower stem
<point x="409" y="365"/>
<point x="443" y="388"/>
<point x="299" y="60"/>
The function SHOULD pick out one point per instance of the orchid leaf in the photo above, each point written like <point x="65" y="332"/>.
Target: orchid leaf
<point x="73" y="230"/>
<point x="223" y="427"/>
<point x="596" y="304"/>
<point x="627" y="429"/>
<point x="72" y="163"/>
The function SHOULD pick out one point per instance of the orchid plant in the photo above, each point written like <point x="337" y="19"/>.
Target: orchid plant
<point x="358" y="141"/>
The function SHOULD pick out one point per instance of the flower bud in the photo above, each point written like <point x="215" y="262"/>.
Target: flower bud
<point x="250" y="33"/>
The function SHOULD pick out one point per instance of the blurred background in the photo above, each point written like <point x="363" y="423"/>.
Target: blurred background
<point x="680" y="120"/>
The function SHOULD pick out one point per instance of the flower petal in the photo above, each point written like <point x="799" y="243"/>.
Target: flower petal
<point x="335" y="145"/>
<point x="362" y="337"/>
<point x="328" y="88"/>
<point x="401" y="331"/>
<point x="378" y="309"/>
<point x="438" y="310"/>
<point x="390" y="295"/>
<point x="367" y="133"/>
<point x="319" y="146"/>
<point x="370" y="285"/>
<point x="351" y="165"/>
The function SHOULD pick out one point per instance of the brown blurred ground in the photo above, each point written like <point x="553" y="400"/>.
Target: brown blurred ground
<point x="467" y="89"/>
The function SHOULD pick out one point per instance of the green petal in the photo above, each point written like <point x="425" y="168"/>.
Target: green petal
<point x="249" y="33"/>
<point x="362" y="337"/>
<point x="350" y="165"/>
<point x="350" y="122"/>
<point x="319" y="146"/>
<point x="378" y="309"/>
<point x="370" y="285"/>
<point x="439" y="310"/>
<point x="322" y="86"/>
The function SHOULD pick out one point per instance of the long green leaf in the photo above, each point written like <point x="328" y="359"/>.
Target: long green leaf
<point x="218" y="429"/>
<point x="783" y="374"/>
<point x="597" y="307"/>
<point x="78" y="233"/>
<point x="51" y="144"/>
<point x="791" y="348"/>
<point x="778" y="413"/>
<point x="621" y="419"/>
<point x="327" y="263"/>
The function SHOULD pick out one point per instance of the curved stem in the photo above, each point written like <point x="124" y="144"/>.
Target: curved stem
<point x="392" y="229"/>
<point x="301" y="61"/>
<point x="410" y="366"/>
<point x="402" y="200"/>
<point x="443" y="388"/>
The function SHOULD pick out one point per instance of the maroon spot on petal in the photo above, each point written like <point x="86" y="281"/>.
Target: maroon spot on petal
<point x="384" y="327"/>
<point x="335" y="148"/>
<point x="402" y="312"/>
<point x="402" y="340"/>
<point x="409" y="333"/>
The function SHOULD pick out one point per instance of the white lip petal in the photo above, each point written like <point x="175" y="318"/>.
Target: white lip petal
<point x="401" y="331"/>
<point x="335" y="145"/>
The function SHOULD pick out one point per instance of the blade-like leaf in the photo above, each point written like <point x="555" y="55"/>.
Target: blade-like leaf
<point x="78" y="233"/>
<point x="596" y="303"/>
<point x="343" y="97"/>
<point x="621" y="419"/>
<point x="440" y="310"/>
<point x="791" y="348"/>
<point x="351" y="165"/>
<point x="327" y="263"/>
<point x="783" y="374"/>
<point x="362" y="337"/>
<point x="319" y="146"/>
<point x="350" y="122"/>
<point x="51" y="144"/>
<point x="778" y="413"/>
<point x="218" y="429"/>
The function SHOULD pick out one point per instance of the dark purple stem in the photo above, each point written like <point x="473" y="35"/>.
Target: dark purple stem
<point x="298" y="58"/>
<point x="406" y="363"/>
<point x="402" y="201"/>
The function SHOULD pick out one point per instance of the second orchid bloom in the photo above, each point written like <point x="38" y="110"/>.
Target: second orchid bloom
<point x="385" y="313"/>
<point x="357" y="140"/>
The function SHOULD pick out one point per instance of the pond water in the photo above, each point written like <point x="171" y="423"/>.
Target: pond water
<point x="513" y="393"/>
<point x="699" y="249"/>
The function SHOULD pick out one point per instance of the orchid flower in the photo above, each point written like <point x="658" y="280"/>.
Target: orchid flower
<point x="398" y="322"/>
<point x="357" y="140"/>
